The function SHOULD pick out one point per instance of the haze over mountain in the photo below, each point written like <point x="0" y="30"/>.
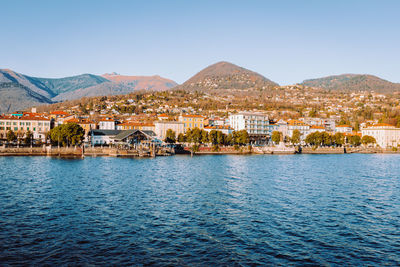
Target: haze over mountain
<point x="225" y="75"/>
<point x="19" y="91"/>
<point x="354" y="82"/>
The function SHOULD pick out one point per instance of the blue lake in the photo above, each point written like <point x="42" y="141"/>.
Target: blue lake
<point x="205" y="210"/>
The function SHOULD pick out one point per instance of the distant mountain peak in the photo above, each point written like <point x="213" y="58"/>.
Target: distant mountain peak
<point x="111" y="74"/>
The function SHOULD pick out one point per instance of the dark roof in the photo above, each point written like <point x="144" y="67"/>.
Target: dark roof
<point x="104" y="132"/>
<point x="125" y="133"/>
<point x="121" y="134"/>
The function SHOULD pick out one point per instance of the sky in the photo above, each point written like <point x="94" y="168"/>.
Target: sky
<point x="286" y="41"/>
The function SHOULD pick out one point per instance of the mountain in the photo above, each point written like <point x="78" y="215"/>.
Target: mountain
<point x="225" y="75"/>
<point x="354" y="82"/>
<point x="119" y="85"/>
<point x="155" y="82"/>
<point x="16" y="96"/>
<point x="9" y="76"/>
<point x="70" y="84"/>
<point x="19" y="91"/>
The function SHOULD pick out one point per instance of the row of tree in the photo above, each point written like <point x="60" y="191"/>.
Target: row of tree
<point x="337" y="139"/>
<point x="198" y="136"/>
<point x="11" y="136"/>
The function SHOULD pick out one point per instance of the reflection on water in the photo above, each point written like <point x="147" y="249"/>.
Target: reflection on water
<point x="208" y="210"/>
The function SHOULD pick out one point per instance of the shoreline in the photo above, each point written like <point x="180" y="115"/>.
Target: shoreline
<point x="112" y="152"/>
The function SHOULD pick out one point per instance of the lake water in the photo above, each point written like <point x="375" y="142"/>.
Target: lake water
<point x="205" y="210"/>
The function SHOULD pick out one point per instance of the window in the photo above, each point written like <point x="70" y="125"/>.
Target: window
<point x="15" y="128"/>
<point x="14" y="123"/>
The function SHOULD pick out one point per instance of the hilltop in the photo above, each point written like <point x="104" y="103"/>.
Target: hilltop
<point x="354" y="82"/>
<point x="225" y="75"/>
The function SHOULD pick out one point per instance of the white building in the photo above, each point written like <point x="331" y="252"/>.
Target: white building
<point x="303" y="128"/>
<point x="343" y="129"/>
<point x="254" y="123"/>
<point x="386" y="135"/>
<point x="161" y="128"/>
<point x="107" y="124"/>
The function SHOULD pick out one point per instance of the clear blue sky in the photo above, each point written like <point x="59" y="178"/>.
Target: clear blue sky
<point x="286" y="41"/>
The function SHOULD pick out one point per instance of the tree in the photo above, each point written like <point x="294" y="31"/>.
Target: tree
<point x="355" y="140"/>
<point x="28" y="137"/>
<point x="170" y="136"/>
<point x="366" y="139"/>
<point x="276" y="136"/>
<point x="204" y="136"/>
<point x="212" y="137"/>
<point x="338" y="139"/>
<point x="229" y="140"/>
<point x="295" y="137"/>
<point x="11" y="136"/>
<point x="326" y="139"/>
<point x="67" y="134"/>
<point x="181" y="138"/>
<point x="312" y="139"/>
<point x="241" y="137"/>
<point x="220" y="138"/>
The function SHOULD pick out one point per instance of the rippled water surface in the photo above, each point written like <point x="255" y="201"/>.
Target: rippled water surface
<point x="205" y="210"/>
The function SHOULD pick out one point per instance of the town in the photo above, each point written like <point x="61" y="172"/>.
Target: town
<point x="277" y="121"/>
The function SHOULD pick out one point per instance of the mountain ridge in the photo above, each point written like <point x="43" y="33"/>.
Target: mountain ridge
<point x="353" y="82"/>
<point x="19" y="91"/>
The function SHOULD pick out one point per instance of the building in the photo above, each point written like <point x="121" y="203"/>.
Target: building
<point x="107" y="124"/>
<point x="252" y="122"/>
<point x="224" y="129"/>
<point x="128" y="137"/>
<point x="343" y="129"/>
<point x="163" y="117"/>
<point x="161" y="128"/>
<point x="192" y="121"/>
<point x="386" y="135"/>
<point x="136" y="126"/>
<point x="316" y="128"/>
<point x="328" y="124"/>
<point x="38" y="125"/>
<point x="302" y="127"/>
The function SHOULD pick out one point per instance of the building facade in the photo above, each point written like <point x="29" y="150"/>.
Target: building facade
<point x="252" y="122"/>
<point x="192" y="121"/>
<point x="161" y="128"/>
<point x="37" y="125"/>
<point x="386" y="135"/>
<point x="107" y="124"/>
<point x="343" y="129"/>
<point x="301" y="126"/>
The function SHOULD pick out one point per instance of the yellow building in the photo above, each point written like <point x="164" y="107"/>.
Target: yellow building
<point x="192" y="121"/>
